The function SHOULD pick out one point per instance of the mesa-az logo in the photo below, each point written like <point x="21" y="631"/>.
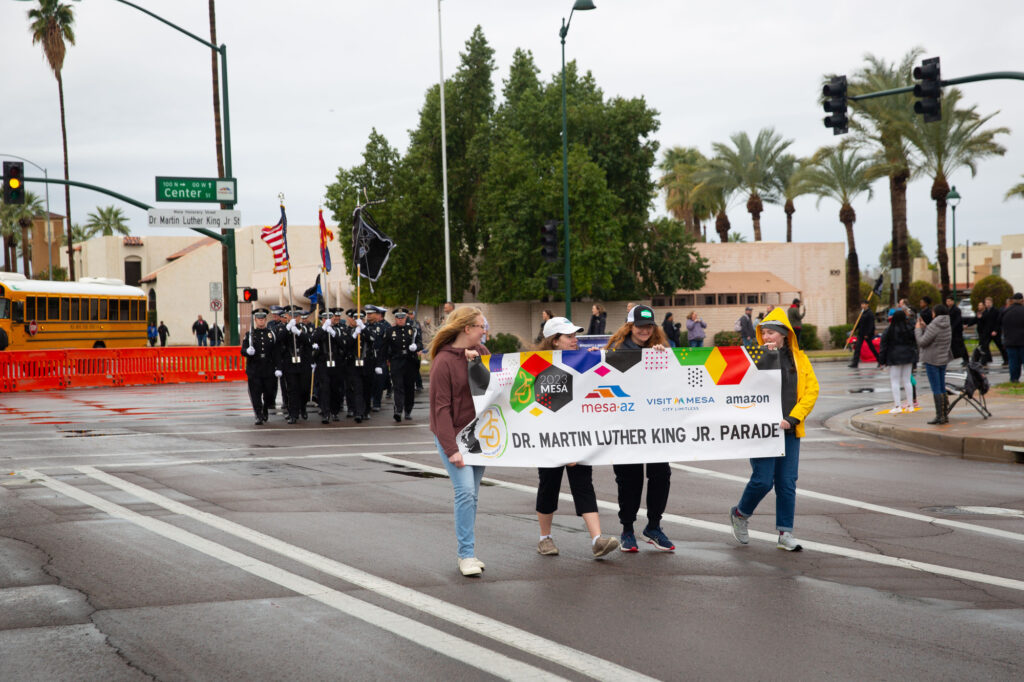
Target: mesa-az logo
<point x="607" y="392"/>
<point x="604" y="393"/>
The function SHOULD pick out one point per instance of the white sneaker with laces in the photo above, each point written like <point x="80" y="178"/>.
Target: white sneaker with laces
<point x="788" y="542"/>
<point x="739" y="527"/>
<point x="469" y="566"/>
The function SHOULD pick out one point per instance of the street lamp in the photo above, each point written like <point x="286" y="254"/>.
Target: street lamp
<point x="444" y="167"/>
<point x="578" y="5"/>
<point x="953" y="198"/>
<point x="49" y="231"/>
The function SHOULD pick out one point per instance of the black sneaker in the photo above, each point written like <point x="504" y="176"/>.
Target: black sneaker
<point x="398" y="417"/>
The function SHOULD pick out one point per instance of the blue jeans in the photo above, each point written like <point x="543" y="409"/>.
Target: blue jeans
<point x="936" y="378"/>
<point x="780" y="472"/>
<point x="696" y="343"/>
<point x="201" y="338"/>
<point x="1016" y="357"/>
<point x="466" y="482"/>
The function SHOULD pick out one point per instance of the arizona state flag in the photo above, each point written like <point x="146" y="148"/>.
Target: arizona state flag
<point x="326" y="236"/>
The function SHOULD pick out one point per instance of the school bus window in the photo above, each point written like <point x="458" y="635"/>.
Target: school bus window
<point x="75" y="303"/>
<point x="65" y="308"/>
<point x="52" y="308"/>
<point x="125" y="313"/>
<point x="134" y="310"/>
<point x="18" y="311"/>
<point x="142" y="310"/>
<point x="113" y="310"/>
<point x="103" y="308"/>
<point x="30" y="307"/>
<point x="4" y="309"/>
<point x="94" y="309"/>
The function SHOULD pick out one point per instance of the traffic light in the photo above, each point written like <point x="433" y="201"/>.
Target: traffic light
<point x="14" y="182"/>
<point x="835" y="104"/>
<point x="929" y="90"/>
<point x="249" y="295"/>
<point x="549" y="240"/>
<point x="553" y="283"/>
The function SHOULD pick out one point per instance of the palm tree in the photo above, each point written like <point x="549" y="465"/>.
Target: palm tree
<point x="955" y="141"/>
<point x="1015" y="191"/>
<point x="878" y="129"/>
<point x="749" y="167"/>
<point x="791" y="182"/>
<point x="680" y="166"/>
<point x="15" y="220"/>
<point x="105" y="222"/>
<point x="52" y="25"/>
<point x="840" y="173"/>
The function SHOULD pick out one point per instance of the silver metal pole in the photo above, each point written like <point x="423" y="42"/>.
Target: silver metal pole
<point x="444" y="166"/>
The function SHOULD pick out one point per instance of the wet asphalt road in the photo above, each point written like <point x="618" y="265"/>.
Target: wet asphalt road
<point x="155" y="533"/>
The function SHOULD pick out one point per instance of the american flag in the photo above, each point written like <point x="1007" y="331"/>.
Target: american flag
<point x="276" y="239"/>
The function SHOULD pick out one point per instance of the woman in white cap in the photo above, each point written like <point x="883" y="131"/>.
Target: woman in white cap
<point x="560" y="334"/>
<point x="641" y="331"/>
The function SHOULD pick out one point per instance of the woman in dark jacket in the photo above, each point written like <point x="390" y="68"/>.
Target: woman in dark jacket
<point x="597" y="320"/>
<point x="898" y="352"/>
<point x="671" y="329"/>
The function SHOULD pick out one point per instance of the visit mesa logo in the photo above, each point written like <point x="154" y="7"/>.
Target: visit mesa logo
<point x="609" y="391"/>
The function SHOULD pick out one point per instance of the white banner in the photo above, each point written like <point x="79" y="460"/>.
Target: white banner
<point x="548" y="408"/>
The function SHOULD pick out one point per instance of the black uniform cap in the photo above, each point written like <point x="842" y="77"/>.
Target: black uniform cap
<point x="260" y="313"/>
<point x="326" y="315"/>
<point x="400" y="312"/>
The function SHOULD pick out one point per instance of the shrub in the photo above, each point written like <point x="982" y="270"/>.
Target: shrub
<point x="993" y="285"/>
<point x="728" y="338"/>
<point x="919" y="289"/>
<point x="838" y="334"/>
<point x="809" y="337"/>
<point x="504" y="343"/>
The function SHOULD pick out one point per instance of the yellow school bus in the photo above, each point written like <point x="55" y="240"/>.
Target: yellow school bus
<point x="91" y="313"/>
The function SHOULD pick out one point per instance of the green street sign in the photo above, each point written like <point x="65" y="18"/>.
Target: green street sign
<point x="212" y="190"/>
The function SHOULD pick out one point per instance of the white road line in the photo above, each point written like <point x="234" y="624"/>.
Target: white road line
<point x="232" y="460"/>
<point x="868" y="506"/>
<point x="134" y="453"/>
<point x="431" y="638"/>
<point x="70" y="435"/>
<point x="770" y="537"/>
<point x="541" y="647"/>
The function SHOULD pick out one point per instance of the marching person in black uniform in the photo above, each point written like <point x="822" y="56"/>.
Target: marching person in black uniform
<point x="329" y="353"/>
<point x="378" y="329"/>
<point x="400" y="347"/>
<point x="295" y="358"/>
<point x="259" y="348"/>
<point x="276" y="325"/>
<point x="307" y="377"/>
<point x="358" y="366"/>
<point x="419" y="342"/>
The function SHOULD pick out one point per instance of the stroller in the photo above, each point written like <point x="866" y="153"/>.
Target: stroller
<point x="970" y="386"/>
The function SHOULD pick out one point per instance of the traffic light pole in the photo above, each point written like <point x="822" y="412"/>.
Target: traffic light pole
<point x="994" y="75"/>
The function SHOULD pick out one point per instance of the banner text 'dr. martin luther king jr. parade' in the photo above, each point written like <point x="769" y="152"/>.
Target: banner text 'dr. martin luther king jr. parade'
<point x="549" y="408"/>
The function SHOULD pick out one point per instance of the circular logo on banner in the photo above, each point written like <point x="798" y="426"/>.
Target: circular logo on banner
<point x="216" y="304"/>
<point x="492" y="432"/>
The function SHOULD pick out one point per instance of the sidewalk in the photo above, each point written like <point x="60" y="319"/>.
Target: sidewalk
<point x="967" y="435"/>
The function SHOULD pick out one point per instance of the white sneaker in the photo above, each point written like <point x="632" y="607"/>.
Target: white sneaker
<point x="469" y="566"/>
<point x="788" y="542"/>
<point x="478" y="563"/>
<point x="739" y="527"/>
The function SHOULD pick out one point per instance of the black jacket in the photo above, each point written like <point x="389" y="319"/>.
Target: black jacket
<point x="866" y="325"/>
<point x="597" y="323"/>
<point x="1013" y="325"/>
<point x="898" y="346"/>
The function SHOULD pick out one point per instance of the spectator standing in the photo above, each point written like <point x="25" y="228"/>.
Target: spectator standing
<point x="864" y="331"/>
<point x="671" y="330"/>
<point x="598" y="319"/>
<point x="201" y="329"/>
<point x="898" y="352"/>
<point x="1013" y="335"/>
<point x="926" y="309"/>
<point x="545" y="315"/>
<point x="956" y="326"/>
<point x="216" y="335"/>
<point x="151" y="333"/>
<point x="997" y="336"/>
<point x="163" y="332"/>
<point x="695" y="330"/>
<point x="988" y="328"/>
<point x="746" y="327"/>
<point x="933" y="340"/>
<point x="795" y="314"/>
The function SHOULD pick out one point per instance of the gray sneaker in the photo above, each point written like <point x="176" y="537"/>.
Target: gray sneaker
<point x="605" y="544"/>
<point x="788" y="542"/>
<point x="547" y="547"/>
<point x="739" y="526"/>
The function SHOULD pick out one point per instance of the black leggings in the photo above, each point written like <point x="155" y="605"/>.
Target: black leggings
<point x="581" y="485"/>
<point x="630" y="479"/>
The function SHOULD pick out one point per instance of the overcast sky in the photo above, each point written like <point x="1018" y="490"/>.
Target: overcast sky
<point x="310" y="78"/>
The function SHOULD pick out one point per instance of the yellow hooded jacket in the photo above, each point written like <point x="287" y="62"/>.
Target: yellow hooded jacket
<point x="806" y="382"/>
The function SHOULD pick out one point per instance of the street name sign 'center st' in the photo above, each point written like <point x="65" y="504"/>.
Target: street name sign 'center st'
<point x="212" y="190"/>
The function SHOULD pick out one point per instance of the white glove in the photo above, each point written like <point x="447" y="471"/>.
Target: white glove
<point x="313" y="366"/>
<point x="316" y="346"/>
<point x="360" y="325"/>
<point x="413" y="347"/>
<point x="332" y="331"/>
<point x="250" y="351"/>
<point x="297" y="331"/>
<point x="356" y="332"/>
<point x="290" y="325"/>
<point x="326" y="326"/>
<point x="277" y="373"/>
<point x="378" y="370"/>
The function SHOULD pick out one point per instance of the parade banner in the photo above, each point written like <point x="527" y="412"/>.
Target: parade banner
<point x="549" y="408"/>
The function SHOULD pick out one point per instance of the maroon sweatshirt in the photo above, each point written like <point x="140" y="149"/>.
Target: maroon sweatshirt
<point x="451" y="404"/>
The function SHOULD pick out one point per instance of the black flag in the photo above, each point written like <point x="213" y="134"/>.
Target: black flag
<point x="370" y="246"/>
<point x="878" y="286"/>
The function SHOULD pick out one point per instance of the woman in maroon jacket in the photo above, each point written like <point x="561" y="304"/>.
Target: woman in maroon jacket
<point x="451" y="409"/>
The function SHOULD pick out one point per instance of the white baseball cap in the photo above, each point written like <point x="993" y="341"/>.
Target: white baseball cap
<point x="560" y="325"/>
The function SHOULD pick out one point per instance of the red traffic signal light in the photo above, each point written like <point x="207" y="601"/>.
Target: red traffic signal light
<point x="249" y="295"/>
<point x="14" y="182"/>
